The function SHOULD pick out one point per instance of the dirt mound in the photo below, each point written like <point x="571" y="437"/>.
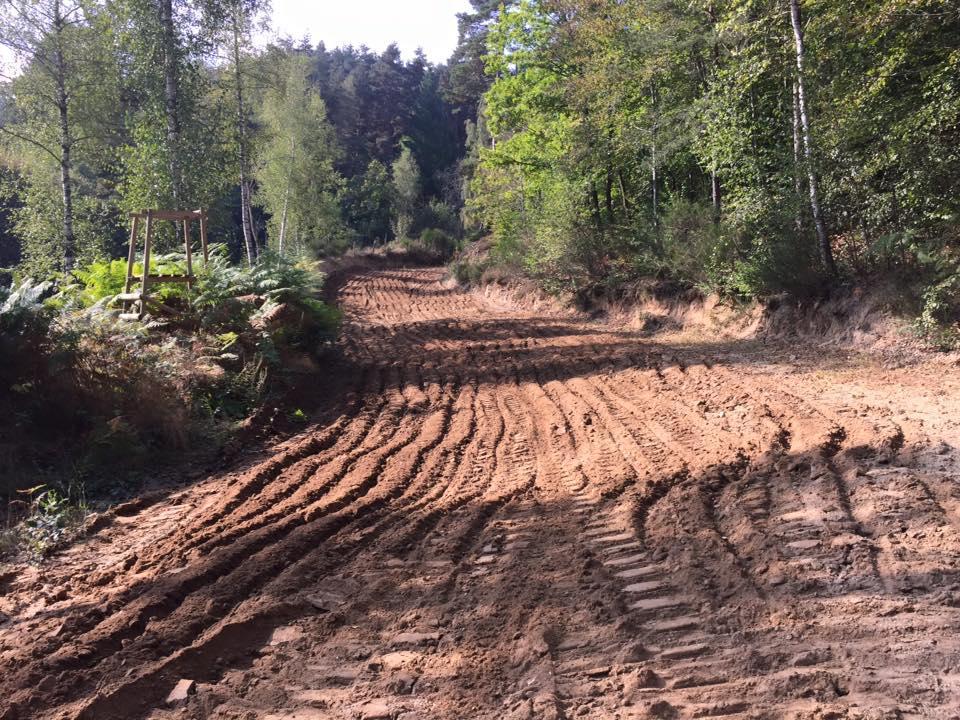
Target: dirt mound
<point x="853" y="319"/>
<point x="529" y="515"/>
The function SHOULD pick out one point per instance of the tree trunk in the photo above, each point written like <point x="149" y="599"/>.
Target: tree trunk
<point x="715" y="190"/>
<point x="823" y="241"/>
<point x="608" y="195"/>
<point x="286" y="200"/>
<point x="715" y="195"/>
<point x="66" y="144"/>
<point x="595" y="206"/>
<point x="797" y="152"/>
<point x="655" y="196"/>
<point x="246" y="211"/>
<point x="171" y="90"/>
<point x="283" y="219"/>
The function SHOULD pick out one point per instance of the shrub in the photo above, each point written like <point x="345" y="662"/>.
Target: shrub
<point x="83" y="391"/>
<point x="939" y="322"/>
<point x="437" y="215"/>
<point x="689" y="236"/>
<point x="438" y="242"/>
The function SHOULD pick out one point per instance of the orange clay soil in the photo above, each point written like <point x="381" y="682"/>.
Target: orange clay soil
<point x="516" y="515"/>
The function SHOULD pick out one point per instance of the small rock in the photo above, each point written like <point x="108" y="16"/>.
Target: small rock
<point x="375" y="710"/>
<point x="324" y="602"/>
<point x="812" y="657"/>
<point x="662" y="709"/>
<point x="342" y="676"/>
<point x="633" y="652"/>
<point x="285" y="634"/>
<point x="415" y="639"/>
<point x="641" y="679"/>
<point x="181" y="691"/>
<point x="394" y="660"/>
<point x="402" y="684"/>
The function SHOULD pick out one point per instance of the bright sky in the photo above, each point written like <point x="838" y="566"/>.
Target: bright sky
<point x="430" y="24"/>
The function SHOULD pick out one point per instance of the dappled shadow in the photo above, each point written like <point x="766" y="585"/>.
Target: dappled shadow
<point x="354" y="500"/>
<point x="479" y="603"/>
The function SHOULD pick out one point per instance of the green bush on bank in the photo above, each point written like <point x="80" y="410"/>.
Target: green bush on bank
<point x="89" y="400"/>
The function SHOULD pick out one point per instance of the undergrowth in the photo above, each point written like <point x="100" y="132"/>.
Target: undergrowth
<point x="91" y="403"/>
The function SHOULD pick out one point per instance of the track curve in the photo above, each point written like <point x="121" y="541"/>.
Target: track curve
<point x="516" y="515"/>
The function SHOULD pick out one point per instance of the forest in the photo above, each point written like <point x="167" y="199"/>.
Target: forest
<point x="597" y="360"/>
<point x="758" y="149"/>
<point x="754" y="147"/>
<point x="122" y="106"/>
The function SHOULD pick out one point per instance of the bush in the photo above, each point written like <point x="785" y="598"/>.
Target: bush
<point x="468" y="273"/>
<point x="689" y="236"/>
<point x="939" y="321"/>
<point x="84" y="396"/>
<point x="437" y="215"/>
<point x="438" y="242"/>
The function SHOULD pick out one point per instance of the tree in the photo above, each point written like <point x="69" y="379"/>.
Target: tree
<point x="63" y="205"/>
<point x="176" y="122"/>
<point x="299" y="186"/>
<point x="433" y="133"/>
<point x="369" y="204"/>
<point x="407" y="192"/>
<point x="239" y="19"/>
<point x="823" y="241"/>
<point x="48" y="39"/>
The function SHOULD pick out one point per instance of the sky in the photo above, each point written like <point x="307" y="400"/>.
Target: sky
<point x="430" y="24"/>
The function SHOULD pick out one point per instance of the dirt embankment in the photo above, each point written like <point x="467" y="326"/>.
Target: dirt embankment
<point x="852" y="320"/>
<point x="519" y="514"/>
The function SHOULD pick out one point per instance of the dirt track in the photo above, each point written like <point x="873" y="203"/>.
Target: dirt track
<point x="520" y="516"/>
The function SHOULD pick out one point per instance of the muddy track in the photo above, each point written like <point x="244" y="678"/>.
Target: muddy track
<point x="519" y="516"/>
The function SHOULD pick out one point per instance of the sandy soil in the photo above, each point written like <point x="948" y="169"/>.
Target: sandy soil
<point x="519" y="515"/>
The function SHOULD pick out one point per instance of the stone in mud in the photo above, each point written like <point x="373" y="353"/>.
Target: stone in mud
<point x="812" y="657"/>
<point x="662" y="710"/>
<point x="285" y="634"/>
<point x="181" y="691"/>
<point x="633" y="652"/>
<point x="640" y="679"/>
<point x="415" y="639"/>
<point x="342" y="675"/>
<point x="324" y="602"/>
<point x="402" y="684"/>
<point x="312" y="699"/>
<point x="375" y="710"/>
<point x="394" y="660"/>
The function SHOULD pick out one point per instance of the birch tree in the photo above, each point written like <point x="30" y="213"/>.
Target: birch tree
<point x="298" y="185"/>
<point x="43" y="38"/>
<point x="823" y="241"/>
<point x="59" y="127"/>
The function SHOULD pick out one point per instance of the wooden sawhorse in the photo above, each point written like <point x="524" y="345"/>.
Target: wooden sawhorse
<point x="136" y="302"/>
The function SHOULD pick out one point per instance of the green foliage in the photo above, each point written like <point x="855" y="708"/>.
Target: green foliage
<point x="406" y="193"/>
<point x="468" y="272"/>
<point x="299" y="185"/>
<point x="630" y="138"/>
<point x="52" y="519"/>
<point x="939" y="322"/>
<point x="85" y="392"/>
<point x="102" y="279"/>
<point x="436" y="242"/>
<point x="369" y="202"/>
